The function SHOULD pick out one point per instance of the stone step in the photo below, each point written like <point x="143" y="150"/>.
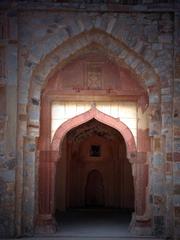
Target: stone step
<point x="56" y="236"/>
<point x="87" y="238"/>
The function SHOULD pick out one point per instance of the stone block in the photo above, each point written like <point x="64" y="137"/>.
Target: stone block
<point x="13" y="28"/>
<point x="41" y="33"/>
<point x="169" y="189"/>
<point x="169" y="168"/>
<point x="158" y="210"/>
<point x="165" y="27"/>
<point x="166" y="107"/>
<point x="169" y="157"/>
<point x="176" y="157"/>
<point x="159" y="225"/>
<point x="153" y="98"/>
<point x="139" y="46"/>
<point x="177" y="189"/>
<point x="151" y="33"/>
<point x="177" y="146"/>
<point x="166" y="120"/>
<point x="7" y="222"/>
<point x="34" y="113"/>
<point x="157" y="144"/>
<point x="176" y="167"/>
<point x="111" y="24"/>
<point x="176" y="121"/>
<point x="177" y="71"/>
<point x="168" y="142"/>
<point x="81" y="23"/>
<point x="134" y="65"/>
<point x="10" y="163"/>
<point x="158" y="199"/>
<point x="158" y="189"/>
<point x="166" y="98"/>
<point x="177" y="132"/>
<point x="177" y="59"/>
<point x="154" y="128"/>
<point x="176" y="200"/>
<point x="157" y="46"/>
<point x="150" y="81"/>
<point x="176" y="103"/>
<point x="7" y="175"/>
<point x="166" y="38"/>
<point x="166" y="91"/>
<point x="177" y="87"/>
<point x="177" y="228"/>
<point x="176" y="179"/>
<point x="177" y="211"/>
<point x="158" y="160"/>
<point x="31" y="147"/>
<point x="149" y="55"/>
<point x="12" y="64"/>
<point x="87" y="22"/>
<point x="23" y="95"/>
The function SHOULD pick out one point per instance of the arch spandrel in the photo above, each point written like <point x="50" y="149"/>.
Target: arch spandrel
<point x="74" y="44"/>
<point x="147" y="76"/>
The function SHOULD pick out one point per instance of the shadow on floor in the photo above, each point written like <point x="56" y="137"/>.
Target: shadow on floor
<point x="93" y="223"/>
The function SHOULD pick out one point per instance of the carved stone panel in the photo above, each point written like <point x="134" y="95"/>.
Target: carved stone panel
<point x="94" y="76"/>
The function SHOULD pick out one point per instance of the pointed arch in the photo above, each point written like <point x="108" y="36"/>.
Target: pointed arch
<point x="60" y="55"/>
<point x="94" y="113"/>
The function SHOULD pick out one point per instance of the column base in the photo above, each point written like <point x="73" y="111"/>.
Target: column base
<point x="45" y="224"/>
<point x="140" y="225"/>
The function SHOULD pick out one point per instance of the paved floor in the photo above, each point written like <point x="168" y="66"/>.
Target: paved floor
<point x="93" y="225"/>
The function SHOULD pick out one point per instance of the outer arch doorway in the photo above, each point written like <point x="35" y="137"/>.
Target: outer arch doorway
<point x="48" y="167"/>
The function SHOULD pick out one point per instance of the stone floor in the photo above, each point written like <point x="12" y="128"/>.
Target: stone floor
<point x="93" y="225"/>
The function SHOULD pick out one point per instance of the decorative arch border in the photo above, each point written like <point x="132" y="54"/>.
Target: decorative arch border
<point x="48" y="65"/>
<point x="94" y="113"/>
<point x="47" y="172"/>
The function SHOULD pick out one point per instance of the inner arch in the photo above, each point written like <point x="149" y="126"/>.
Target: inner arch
<point x="93" y="173"/>
<point x="93" y="113"/>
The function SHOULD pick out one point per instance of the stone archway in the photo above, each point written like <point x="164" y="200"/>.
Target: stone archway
<point x="48" y="168"/>
<point x="93" y="146"/>
<point x="145" y="72"/>
<point x="149" y="80"/>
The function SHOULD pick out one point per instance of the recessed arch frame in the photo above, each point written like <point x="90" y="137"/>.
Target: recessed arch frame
<point x="47" y="177"/>
<point x="60" y="55"/>
<point x="43" y="70"/>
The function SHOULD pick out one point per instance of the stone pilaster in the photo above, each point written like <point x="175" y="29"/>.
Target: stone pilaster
<point x="8" y="116"/>
<point x="29" y="185"/>
<point x="176" y="130"/>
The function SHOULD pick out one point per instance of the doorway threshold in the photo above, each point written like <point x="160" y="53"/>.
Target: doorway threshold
<point x="100" y="223"/>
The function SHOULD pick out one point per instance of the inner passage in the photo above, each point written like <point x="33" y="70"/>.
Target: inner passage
<point x="93" y="178"/>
